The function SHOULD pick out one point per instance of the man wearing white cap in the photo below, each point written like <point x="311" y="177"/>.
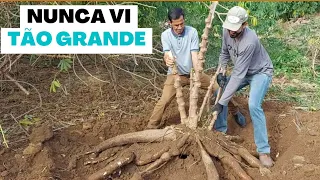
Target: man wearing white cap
<point x="253" y="67"/>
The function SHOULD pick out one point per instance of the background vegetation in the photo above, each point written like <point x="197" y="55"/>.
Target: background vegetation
<point x="294" y="50"/>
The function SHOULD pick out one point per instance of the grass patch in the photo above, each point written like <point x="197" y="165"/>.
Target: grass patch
<point x="291" y="53"/>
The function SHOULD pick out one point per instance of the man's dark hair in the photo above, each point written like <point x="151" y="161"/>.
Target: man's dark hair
<point x="175" y="13"/>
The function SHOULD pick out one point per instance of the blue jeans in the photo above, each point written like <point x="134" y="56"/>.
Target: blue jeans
<point x="259" y="84"/>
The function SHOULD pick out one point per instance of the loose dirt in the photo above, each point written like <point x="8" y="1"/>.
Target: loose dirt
<point x="73" y="121"/>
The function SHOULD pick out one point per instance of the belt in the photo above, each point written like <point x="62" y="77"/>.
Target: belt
<point x="186" y="75"/>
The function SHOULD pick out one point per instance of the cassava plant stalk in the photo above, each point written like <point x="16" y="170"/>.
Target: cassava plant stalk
<point x="206" y="99"/>
<point x="215" y="114"/>
<point x="191" y="86"/>
<point x="179" y="94"/>
<point x="193" y="116"/>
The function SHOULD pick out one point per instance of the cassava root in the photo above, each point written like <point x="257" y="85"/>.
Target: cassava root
<point x="152" y="135"/>
<point x="212" y="173"/>
<point x="125" y="159"/>
<point x="210" y="143"/>
<point x="165" y="157"/>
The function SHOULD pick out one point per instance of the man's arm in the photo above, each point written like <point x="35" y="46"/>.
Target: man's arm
<point x="239" y="72"/>
<point x="224" y="54"/>
<point x="195" y="49"/>
<point x="195" y="60"/>
<point x="166" y="48"/>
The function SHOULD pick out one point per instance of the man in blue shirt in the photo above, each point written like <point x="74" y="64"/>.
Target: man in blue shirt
<point x="183" y="42"/>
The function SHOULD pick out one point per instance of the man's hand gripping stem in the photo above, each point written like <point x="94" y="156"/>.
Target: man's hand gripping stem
<point x="217" y="108"/>
<point x="169" y="59"/>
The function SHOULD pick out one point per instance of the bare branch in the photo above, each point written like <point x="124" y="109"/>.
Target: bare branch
<point x="131" y="73"/>
<point x="89" y="72"/>
<point x="14" y="61"/>
<point x="40" y="99"/>
<point x="16" y="83"/>
<point x="74" y="71"/>
<point x="4" y="61"/>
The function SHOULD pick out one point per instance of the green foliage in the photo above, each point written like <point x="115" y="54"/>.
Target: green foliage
<point x="269" y="12"/>
<point x="286" y="60"/>
<point x="65" y="65"/>
<point x="290" y="60"/>
<point x="54" y="84"/>
<point x="28" y="120"/>
<point x="263" y="18"/>
<point x="297" y="94"/>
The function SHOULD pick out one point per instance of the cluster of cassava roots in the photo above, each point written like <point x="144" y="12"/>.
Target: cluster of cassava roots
<point x="195" y="130"/>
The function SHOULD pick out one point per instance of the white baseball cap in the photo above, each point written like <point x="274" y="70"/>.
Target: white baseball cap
<point x="235" y="17"/>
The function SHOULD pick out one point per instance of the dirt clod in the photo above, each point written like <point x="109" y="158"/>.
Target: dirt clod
<point x="4" y="173"/>
<point x="32" y="149"/>
<point x="313" y="132"/>
<point x="309" y="169"/>
<point x="298" y="159"/>
<point x="87" y="125"/>
<point x="42" y="133"/>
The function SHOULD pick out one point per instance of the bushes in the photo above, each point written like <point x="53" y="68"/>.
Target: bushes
<point x="267" y="14"/>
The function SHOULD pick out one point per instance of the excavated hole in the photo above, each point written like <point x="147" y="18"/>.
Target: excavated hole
<point x="183" y="156"/>
<point x="279" y="123"/>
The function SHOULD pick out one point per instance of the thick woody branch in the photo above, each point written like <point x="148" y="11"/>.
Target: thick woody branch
<point x="180" y="100"/>
<point x="212" y="120"/>
<point x="215" y="114"/>
<point x="191" y="87"/>
<point x="179" y="93"/>
<point x="205" y="35"/>
<point x="206" y="99"/>
<point x="193" y="116"/>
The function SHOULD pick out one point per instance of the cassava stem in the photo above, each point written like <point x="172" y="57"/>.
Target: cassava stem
<point x="179" y="94"/>
<point x="191" y="87"/>
<point x="215" y="114"/>
<point x="193" y="116"/>
<point x="208" y="93"/>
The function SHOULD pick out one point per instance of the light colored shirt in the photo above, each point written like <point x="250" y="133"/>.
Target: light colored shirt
<point x="181" y="46"/>
<point x="248" y="56"/>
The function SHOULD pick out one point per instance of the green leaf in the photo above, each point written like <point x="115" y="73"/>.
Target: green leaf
<point x="25" y="122"/>
<point x="241" y="4"/>
<point x="29" y="120"/>
<point x="65" y="64"/>
<point x="52" y="88"/>
<point x="254" y="21"/>
<point x="54" y="84"/>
